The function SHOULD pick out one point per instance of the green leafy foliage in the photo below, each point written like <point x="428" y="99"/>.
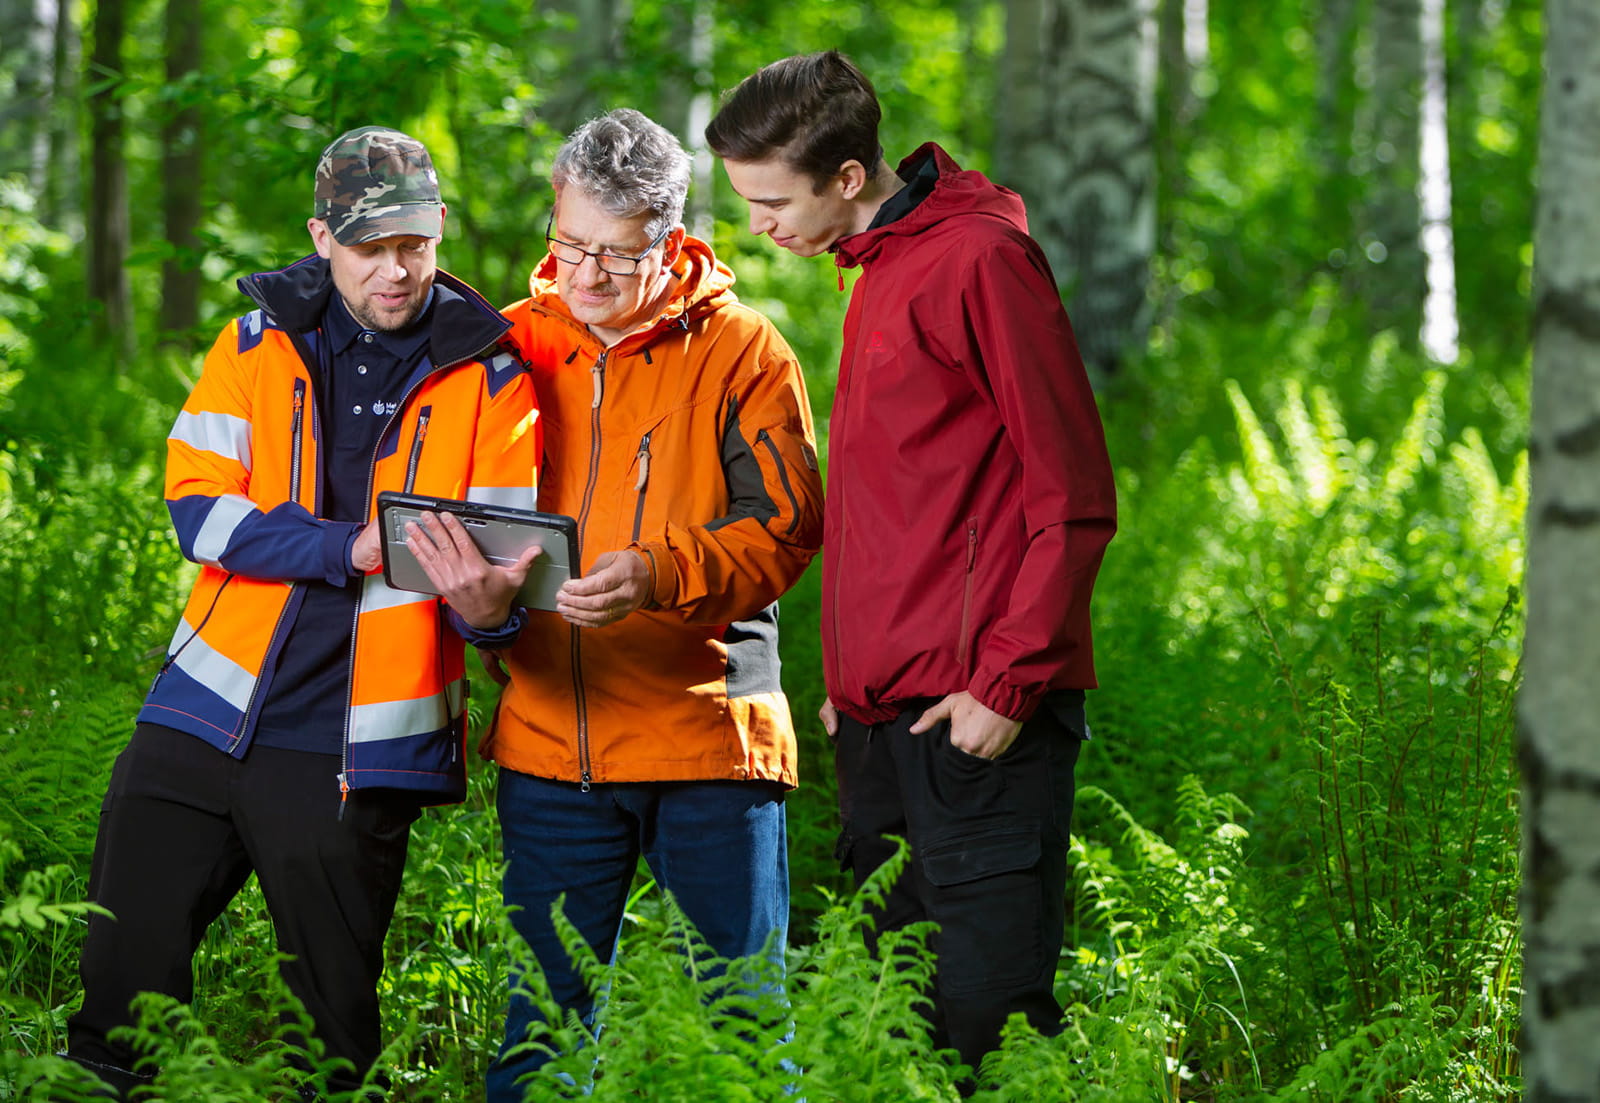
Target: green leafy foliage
<point x="1295" y="843"/>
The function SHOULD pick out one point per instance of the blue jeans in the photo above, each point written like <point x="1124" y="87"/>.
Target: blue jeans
<point x="718" y="846"/>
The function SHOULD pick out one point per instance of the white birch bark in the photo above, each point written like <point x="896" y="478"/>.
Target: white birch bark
<point x="1073" y="135"/>
<point x="1558" y="719"/>
<point x="1440" y="328"/>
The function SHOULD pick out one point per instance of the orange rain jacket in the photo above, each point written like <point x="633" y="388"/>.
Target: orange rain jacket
<point x="243" y="487"/>
<point x="691" y="443"/>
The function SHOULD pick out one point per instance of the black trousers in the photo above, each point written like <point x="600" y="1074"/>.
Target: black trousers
<point x="181" y="829"/>
<point x="988" y="861"/>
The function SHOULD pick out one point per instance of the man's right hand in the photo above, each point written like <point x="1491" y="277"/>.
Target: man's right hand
<point x="481" y="592"/>
<point x="830" y="716"/>
<point x="366" y="554"/>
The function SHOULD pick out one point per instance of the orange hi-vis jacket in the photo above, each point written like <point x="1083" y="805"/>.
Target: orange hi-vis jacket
<point x="243" y="486"/>
<point x="691" y="443"/>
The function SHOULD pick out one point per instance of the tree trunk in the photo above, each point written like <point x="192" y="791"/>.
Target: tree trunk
<point x="1559" y="725"/>
<point x="593" y="48"/>
<point x="182" y="175"/>
<point x="25" y="53"/>
<point x="1074" y="137"/>
<point x="1395" y="284"/>
<point x="684" y="104"/>
<point x="1440" y="329"/>
<point x="108" y="185"/>
<point x="1335" y="44"/>
<point x="61" y="139"/>
<point x="1182" y="39"/>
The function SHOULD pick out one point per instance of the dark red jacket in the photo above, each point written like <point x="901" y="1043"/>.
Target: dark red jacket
<point x="970" y="498"/>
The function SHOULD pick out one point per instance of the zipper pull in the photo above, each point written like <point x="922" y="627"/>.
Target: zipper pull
<point x="344" y="796"/>
<point x="583" y="784"/>
<point x="644" y="463"/>
<point x="596" y="371"/>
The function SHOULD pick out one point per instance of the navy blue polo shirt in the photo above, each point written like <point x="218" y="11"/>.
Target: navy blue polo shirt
<point x="364" y="386"/>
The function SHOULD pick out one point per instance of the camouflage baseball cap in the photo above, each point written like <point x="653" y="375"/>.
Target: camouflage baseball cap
<point x="375" y="182"/>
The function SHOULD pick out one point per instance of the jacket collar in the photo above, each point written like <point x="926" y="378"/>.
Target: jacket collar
<point x="296" y="298"/>
<point x="957" y="191"/>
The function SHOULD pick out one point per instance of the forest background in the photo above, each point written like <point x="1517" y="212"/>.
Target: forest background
<point x="1295" y="237"/>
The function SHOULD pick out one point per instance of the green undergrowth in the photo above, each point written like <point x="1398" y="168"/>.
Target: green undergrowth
<point x="1295" y="840"/>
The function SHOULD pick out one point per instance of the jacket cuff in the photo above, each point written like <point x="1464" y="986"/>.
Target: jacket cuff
<point x="993" y="692"/>
<point x="490" y="639"/>
<point x="663" y="574"/>
<point x="338" y="537"/>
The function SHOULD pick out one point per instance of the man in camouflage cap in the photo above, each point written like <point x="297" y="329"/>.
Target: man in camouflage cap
<point x="306" y="712"/>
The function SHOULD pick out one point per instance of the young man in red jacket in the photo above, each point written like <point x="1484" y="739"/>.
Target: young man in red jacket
<point x="965" y="450"/>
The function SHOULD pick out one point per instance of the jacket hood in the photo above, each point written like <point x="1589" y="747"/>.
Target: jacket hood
<point x="464" y="323"/>
<point x="703" y="284"/>
<point x="958" y="192"/>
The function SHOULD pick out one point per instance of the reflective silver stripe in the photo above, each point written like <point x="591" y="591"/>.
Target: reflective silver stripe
<point x="252" y="323"/>
<point x="512" y="497"/>
<point x="378" y="594"/>
<point x="222" y="434"/>
<point x="212" y="669"/>
<point x="500" y="361"/>
<point x="224" y="517"/>
<point x="398" y="719"/>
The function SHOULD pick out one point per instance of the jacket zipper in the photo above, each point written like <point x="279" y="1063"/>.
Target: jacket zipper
<point x="416" y="447"/>
<point x="296" y="438"/>
<point x="783" y="476"/>
<point x="372" y="471"/>
<point x="640" y="483"/>
<point x="585" y="776"/>
<point x="962" y="644"/>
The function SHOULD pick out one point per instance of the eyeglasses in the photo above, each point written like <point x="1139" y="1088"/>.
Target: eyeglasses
<point x="609" y="262"/>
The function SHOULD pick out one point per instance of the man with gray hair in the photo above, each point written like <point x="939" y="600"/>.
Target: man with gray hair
<point x="644" y="715"/>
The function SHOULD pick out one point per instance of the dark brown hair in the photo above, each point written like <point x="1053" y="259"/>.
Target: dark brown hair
<point x="816" y="111"/>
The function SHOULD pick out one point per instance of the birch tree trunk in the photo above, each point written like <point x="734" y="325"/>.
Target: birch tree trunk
<point x="108" y="184"/>
<point x="1559" y="724"/>
<point x="1073" y="135"/>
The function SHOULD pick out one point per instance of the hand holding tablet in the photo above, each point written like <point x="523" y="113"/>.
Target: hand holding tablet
<point x="500" y="533"/>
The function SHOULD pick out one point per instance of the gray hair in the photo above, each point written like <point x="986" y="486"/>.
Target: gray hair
<point x="629" y="166"/>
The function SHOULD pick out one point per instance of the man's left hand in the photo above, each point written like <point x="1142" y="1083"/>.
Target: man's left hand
<point x="617" y="584"/>
<point x="974" y="727"/>
<point x="477" y="589"/>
